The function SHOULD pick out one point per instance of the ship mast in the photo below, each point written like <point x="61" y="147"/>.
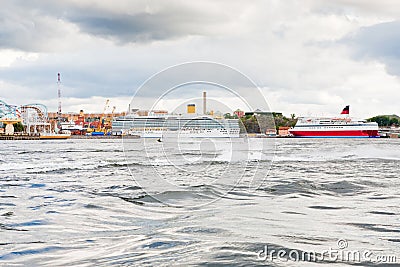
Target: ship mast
<point x="59" y="100"/>
<point x="59" y="93"/>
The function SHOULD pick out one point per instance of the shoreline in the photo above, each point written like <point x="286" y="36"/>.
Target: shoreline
<point x="37" y="137"/>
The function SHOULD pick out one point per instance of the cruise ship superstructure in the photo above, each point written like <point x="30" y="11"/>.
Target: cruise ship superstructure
<point x="183" y="126"/>
<point x="159" y="124"/>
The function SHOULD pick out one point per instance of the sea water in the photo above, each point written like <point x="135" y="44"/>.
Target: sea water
<point x="277" y="202"/>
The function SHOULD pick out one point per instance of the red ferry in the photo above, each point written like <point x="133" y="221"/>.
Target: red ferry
<point x="342" y="126"/>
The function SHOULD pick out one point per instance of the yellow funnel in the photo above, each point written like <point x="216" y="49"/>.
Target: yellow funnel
<point x="191" y="108"/>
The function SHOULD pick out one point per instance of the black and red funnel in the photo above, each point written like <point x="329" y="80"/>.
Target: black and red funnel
<point x="346" y="110"/>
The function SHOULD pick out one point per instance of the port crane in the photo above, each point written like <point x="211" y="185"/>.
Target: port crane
<point x="108" y="120"/>
<point x="100" y="130"/>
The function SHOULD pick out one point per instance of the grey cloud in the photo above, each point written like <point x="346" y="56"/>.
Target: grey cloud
<point x="22" y="30"/>
<point x="134" y="28"/>
<point x="381" y="9"/>
<point x="378" y="42"/>
<point x="31" y="25"/>
<point x="76" y="81"/>
<point x="269" y="42"/>
<point x="171" y="20"/>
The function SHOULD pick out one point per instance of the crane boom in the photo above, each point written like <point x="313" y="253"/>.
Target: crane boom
<point x="100" y="126"/>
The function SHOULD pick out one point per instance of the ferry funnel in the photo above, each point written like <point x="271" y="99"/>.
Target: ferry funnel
<point x="191" y="108"/>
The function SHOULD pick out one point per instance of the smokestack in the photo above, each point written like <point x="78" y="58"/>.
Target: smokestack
<point x="204" y="103"/>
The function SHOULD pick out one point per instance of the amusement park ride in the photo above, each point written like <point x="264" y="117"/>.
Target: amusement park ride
<point x="33" y="117"/>
<point x="36" y="121"/>
<point x="9" y="117"/>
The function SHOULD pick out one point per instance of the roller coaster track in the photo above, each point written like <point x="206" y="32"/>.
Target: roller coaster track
<point x="39" y="109"/>
<point x="30" y="113"/>
<point x="7" y="110"/>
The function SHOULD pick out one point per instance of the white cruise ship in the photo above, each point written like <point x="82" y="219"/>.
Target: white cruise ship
<point x="161" y="125"/>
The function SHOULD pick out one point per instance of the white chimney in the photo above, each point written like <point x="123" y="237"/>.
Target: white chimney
<point x="204" y="103"/>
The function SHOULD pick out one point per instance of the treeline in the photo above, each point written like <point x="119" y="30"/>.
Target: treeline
<point x="282" y="121"/>
<point x="18" y="127"/>
<point x="258" y="123"/>
<point x="386" y="120"/>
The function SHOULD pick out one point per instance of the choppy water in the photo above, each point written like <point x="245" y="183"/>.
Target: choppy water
<point x="76" y="202"/>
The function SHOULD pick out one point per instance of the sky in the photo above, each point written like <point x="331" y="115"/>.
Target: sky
<point x="308" y="57"/>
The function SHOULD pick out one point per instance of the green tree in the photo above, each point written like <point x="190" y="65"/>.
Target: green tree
<point x="250" y="124"/>
<point x="228" y="116"/>
<point x="282" y="121"/>
<point x="381" y="120"/>
<point x="18" y="127"/>
<point x="394" y="121"/>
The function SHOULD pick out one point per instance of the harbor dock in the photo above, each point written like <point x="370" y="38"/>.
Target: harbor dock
<point x="19" y="137"/>
<point x="37" y="137"/>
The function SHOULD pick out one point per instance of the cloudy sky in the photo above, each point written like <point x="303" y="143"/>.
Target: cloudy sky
<point x="309" y="57"/>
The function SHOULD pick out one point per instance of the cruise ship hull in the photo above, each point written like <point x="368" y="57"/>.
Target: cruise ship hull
<point x="336" y="134"/>
<point x="203" y="133"/>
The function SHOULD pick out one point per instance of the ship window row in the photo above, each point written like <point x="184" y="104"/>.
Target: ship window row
<point x="174" y="125"/>
<point x="327" y="126"/>
<point x="332" y="122"/>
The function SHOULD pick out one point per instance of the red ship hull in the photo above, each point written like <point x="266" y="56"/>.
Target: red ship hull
<point x="348" y="133"/>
